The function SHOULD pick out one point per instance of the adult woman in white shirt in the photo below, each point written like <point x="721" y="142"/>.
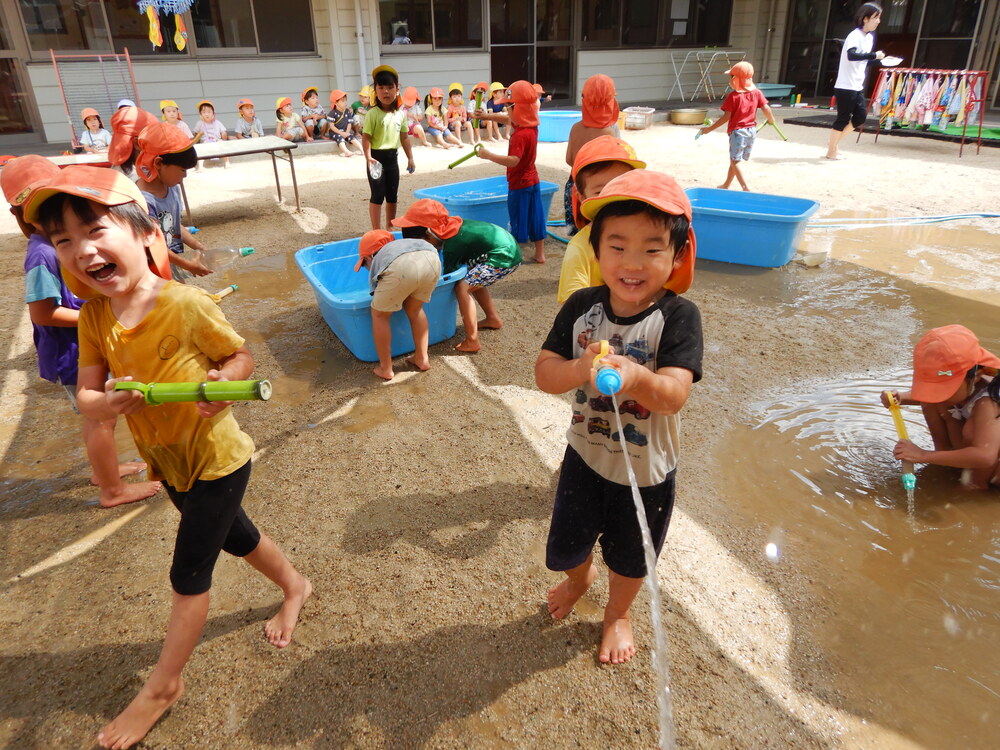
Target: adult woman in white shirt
<point x="852" y="107"/>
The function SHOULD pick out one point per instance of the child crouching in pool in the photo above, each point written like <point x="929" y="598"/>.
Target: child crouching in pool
<point x="955" y="383"/>
<point x="490" y="252"/>
<point x="642" y="235"/>
<point x="142" y="325"/>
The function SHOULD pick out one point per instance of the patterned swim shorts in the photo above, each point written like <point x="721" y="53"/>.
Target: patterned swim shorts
<point x="482" y="274"/>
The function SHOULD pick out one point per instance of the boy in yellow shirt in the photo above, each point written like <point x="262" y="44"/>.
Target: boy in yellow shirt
<point x="140" y="324"/>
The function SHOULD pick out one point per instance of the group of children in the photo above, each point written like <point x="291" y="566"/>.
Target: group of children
<point x="623" y="277"/>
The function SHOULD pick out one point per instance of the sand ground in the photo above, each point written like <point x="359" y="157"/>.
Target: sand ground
<point x="419" y="508"/>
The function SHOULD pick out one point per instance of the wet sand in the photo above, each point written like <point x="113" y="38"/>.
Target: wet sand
<point x="419" y="508"/>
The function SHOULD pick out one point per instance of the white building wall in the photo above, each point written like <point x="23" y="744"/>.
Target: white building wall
<point x="425" y="71"/>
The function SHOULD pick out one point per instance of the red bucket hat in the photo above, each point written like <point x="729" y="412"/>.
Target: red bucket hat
<point x="942" y="358"/>
<point x="23" y="175"/>
<point x="428" y="213"/>
<point x="743" y="72"/>
<point x="659" y="191"/>
<point x="525" y="101"/>
<point x="370" y="243"/>
<point x="126" y="124"/>
<point x="108" y="187"/>
<point x="600" y="108"/>
<point x="602" y="148"/>
<point x="156" y="140"/>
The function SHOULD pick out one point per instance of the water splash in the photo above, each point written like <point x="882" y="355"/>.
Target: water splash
<point x="660" y="663"/>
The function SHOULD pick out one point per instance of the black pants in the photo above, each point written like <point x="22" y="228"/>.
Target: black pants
<point x="386" y="187"/>
<point x="852" y="107"/>
<point x="211" y="521"/>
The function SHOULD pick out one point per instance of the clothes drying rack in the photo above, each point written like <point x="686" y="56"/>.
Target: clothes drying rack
<point x="899" y="79"/>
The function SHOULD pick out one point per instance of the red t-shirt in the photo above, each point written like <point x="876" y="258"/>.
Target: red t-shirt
<point x="743" y="105"/>
<point x="523" y="144"/>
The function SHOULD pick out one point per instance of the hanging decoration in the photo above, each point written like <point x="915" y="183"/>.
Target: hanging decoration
<point x="153" y="8"/>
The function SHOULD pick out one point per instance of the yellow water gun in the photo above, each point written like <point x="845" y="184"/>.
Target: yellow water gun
<point x="909" y="478"/>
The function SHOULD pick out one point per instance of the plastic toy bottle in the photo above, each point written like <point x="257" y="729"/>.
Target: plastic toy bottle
<point x="217" y="258"/>
<point x="375" y="170"/>
<point x="215" y="390"/>
<point x="608" y="379"/>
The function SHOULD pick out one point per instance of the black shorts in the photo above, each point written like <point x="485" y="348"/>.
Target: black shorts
<point x="852" y="107"/>
<point x="589" y="508"/>
<point x="211" y="521"/>
<point x="386" y="187"/>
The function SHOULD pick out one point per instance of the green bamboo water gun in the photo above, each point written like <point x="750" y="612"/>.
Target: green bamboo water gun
<point x="479" y="105"/>
<point x="213" y="390"/>
<point x="708" y="121"/>
<point x="773" y="125"/>
<point x="475" y="150"/>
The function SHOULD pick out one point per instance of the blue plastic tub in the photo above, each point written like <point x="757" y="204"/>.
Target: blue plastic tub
<point x="345" y="303"/>
<point x="775" y="90"/>
<point x="554" y="125"/>
<point x="482" y="200"/>
<point x="754" y="229"/>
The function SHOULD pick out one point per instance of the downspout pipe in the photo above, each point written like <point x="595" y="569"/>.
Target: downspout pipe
<point x="767" y="39"/>
<point x="359" y="34"/>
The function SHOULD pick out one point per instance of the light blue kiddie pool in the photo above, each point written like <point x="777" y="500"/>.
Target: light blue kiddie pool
<point x="482" y="200"/>
<point x="554" y="124"/>
<point x="754" y="229"/>
<point x="345" y="304"/>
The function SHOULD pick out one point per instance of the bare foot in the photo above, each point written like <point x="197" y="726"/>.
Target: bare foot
<point x="278" y="630"/>
<point x="132" y="724"/>
<point x="539" y="259"/>
<point x="617" y="645"/>
<point x="835" y="157"/>
<point x="490" y="324"/>
<point x="469" y="347"/>
<point x="422" y="365"/>
<point x="565" y="595"/>
<point x="723" y="187"/>
<point x="128" y="493"/>
<point x="124" y="470"/>
<point x="385" y="374"/>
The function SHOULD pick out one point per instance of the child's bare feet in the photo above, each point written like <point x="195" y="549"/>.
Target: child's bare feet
<point x="128" y="492"/>
<point x="385" y="373"/>
<point x="278" y="630"/>
<point x="132" y="724"/>
<point x="564" y="596"/>
<point x="469" y="347"/>
<point x="124" y="470"/>
<point x="490" y="324"/>
<point x="423" y="364"/>
<point x="617" y="645"/>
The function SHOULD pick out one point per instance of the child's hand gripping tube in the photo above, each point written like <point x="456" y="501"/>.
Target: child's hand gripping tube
<point x="608" y="379"/>
<point x="212" y="390"/>
<point x="909" y="478"/>
<point x="773" y="125"/>
<point x="479" y="105"/>
<point x="699" y="134"/>
<point x="475" y="150"/>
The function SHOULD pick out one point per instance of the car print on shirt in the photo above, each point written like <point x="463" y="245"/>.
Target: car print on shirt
<point x="581" y="397"/>
<point x="634" y="408"/>
<point x="596" y="424"/>
<point x="638" y="350"/>
<point x="577" y="417"/>
<point x="602" y="403"/>
<point x="632" y="435"/>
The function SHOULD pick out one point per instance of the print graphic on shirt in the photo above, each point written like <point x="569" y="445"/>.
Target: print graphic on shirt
<point x="602" y="403"/>
<point x="577" y="417"/>
<point x="602" y="426"/>
<point x="616" y="343"/>
<point x="632" y="435"/>
<point x="638" y="350"/>
<point x="635" y="409"/>
<point x="581" y="397"/>
<point x="168" y="347"/>
<point x="166" y="221"/>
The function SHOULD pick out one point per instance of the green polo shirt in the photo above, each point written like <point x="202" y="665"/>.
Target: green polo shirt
<point x="385" y="128"/>
<point x="481" y="241"/>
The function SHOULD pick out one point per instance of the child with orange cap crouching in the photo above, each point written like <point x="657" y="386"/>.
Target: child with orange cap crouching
<point x="642" y="235"/>
<point x="955" y="383"/>
<point x="341" y="127"/>
<point x="210" y="128"/>
<point x="524" y="196"/>
<point x="94" y="138"/>
<point x="55" y="312"/>
<point x="402" y="275"/>
<point x="489" y="251"/>
<point x="313" y="115"/>
<point x="249" y="125"/>
<point x="139" y="324"/>
<point x="740" y="111"/>
<point x="597" y="163"/>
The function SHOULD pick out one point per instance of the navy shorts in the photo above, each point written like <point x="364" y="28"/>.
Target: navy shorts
<point x="527" y="217"/>
<point x="590" y="509"/>
<point x="212" y="520"/>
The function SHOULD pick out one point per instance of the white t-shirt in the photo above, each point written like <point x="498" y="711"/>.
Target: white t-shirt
<point x="851" y="74"/>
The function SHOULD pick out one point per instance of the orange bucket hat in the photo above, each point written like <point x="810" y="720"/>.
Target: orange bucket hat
<point x="282" y="101"/>
<point x="243" y="103"/>
<point x="435" y="92"/>
<point x="23" y="175"/>
<point x="203" y="102"/>
<point x="410" y="96"/>
<point x="336" y="95"/>
<point x="941" y="360"/>
<point x="108" y="187"/>
<point x="156" y="140"/>
<point x="743" y="72"/>
<point x="370" y="243"/>
<point x="600" y="108"/>
<point x="525" y="101"/>
<point x="91" y="112"/>
<point x="305" y="92"/>
<point x="431" y="214"/>
<point x="126" y="124"/>
<point x="659" y="191"/>
<point x="602" y="148"/>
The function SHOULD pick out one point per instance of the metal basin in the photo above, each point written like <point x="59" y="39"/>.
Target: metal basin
<point x="689" y="116"/>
